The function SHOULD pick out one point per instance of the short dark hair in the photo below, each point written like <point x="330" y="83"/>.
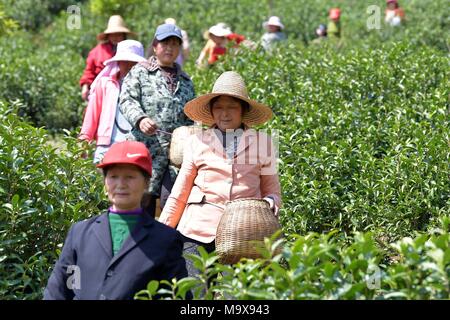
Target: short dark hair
<point x="245" y="106"/>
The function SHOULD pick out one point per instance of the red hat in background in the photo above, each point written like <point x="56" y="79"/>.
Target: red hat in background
<point x="335" y="13"/>
<point x="128" y="152"/>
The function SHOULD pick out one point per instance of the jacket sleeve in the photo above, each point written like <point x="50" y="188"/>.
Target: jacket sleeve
<point x="130" y="97"/>
<point x="57" y="288"/>
<point x="89" y="72"/>
<point x="270" y="184"/>
<point x="92" y="114"/>
<point x="174" y="207"/>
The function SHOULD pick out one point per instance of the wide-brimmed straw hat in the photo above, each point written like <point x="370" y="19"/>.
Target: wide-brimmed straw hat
<point x="115" y="25"/>
<point x="231" y="84"/>
<point x="273" y="21"/>
<point x="128" y="50"/>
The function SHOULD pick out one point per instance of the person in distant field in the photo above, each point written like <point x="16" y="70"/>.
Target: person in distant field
<point x="114" y="33"/>
<point x="334" y="24"/>
<point x="103" y="121"/>
<point x="274" y="33"/>
<point x="321" y="33"/>
<point x="394" y="15"/>
<point x="116" y="254"/>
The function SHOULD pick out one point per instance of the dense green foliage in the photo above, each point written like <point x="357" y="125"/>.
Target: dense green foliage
<point x="362" y="129"/>
<point x="321" y="267"/>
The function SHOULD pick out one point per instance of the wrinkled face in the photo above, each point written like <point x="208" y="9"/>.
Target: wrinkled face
<point x="167" y="50"/>
<point x="115" y="38"/>
<point x="227" y="113"/>
<point x="125" y="185"/>
<point x="125" y="67"/>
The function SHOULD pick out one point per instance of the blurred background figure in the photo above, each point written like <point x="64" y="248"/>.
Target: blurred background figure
<point x="394" y="15"/>
<point x="115" y="32"/>
<point x="274" y="33"/>
<point x="334" y="24"/>
<point x="321" y="33"/>
<point x="216" y="44"/>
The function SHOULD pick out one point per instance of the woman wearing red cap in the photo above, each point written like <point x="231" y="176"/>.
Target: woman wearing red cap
<point x="116" y="254"/>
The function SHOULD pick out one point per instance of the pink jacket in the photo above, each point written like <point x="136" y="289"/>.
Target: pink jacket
<point x="207" y="180"/>
<point x="100" y="113"/>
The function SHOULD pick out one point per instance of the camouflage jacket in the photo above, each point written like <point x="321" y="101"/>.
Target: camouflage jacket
<point x="145" y="93"/>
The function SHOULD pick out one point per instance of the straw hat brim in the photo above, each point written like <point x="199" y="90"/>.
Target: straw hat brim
<point x="198" y="110"/>
<point x="102" y="36"/>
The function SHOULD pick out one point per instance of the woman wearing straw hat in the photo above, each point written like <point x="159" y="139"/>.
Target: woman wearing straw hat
<point x="114" y="33"/>
<point x="274" y="33"/>
<point x="103" y="120"/>
<point x="152" y="100"/>
<point x="226" y="162"/>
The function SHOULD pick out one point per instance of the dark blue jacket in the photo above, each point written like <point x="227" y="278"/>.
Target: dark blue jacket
<point x="87" y="269"/>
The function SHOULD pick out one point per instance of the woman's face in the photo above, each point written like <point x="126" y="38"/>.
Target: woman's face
<point x="115" y="38"/>
<point x="227" y="113"/>
<point x="125" y="185"/>
<point x="167" y="50"/>
<point x="125" y="67"/>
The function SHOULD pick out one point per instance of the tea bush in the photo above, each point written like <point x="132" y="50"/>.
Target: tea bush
<point x="317" y="266"/>
<point x="42" y="192"/>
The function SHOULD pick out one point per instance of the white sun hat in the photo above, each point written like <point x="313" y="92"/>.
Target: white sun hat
<point x="128" y="50"/>
<point x="273" y="21"/>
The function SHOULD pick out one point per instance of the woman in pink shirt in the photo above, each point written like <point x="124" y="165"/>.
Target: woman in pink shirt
<point x="103" y="121"/>
<point x="228" y="161"/>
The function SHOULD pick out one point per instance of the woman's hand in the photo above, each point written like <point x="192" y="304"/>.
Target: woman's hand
<point x="148" y="126"/>
<point x="272" y="206"/>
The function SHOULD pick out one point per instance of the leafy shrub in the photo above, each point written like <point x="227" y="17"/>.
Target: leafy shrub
<point x="42" y="192"/>
<point x="320" y="267"/>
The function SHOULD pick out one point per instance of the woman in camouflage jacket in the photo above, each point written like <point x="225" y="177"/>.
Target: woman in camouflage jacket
<point x="152" y="99"/>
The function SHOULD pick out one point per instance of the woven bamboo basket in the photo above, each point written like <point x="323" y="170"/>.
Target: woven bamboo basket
<point x="242" y="228"/>
<point x="179" y="135"/>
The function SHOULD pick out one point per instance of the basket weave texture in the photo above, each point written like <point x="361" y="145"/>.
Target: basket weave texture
<point x="242" y="228"/>
<point x="179" y="136"/>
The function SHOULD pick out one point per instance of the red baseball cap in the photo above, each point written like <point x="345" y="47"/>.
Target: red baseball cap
<point x="335" y="13"/>
<point x="128" y="152"/>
